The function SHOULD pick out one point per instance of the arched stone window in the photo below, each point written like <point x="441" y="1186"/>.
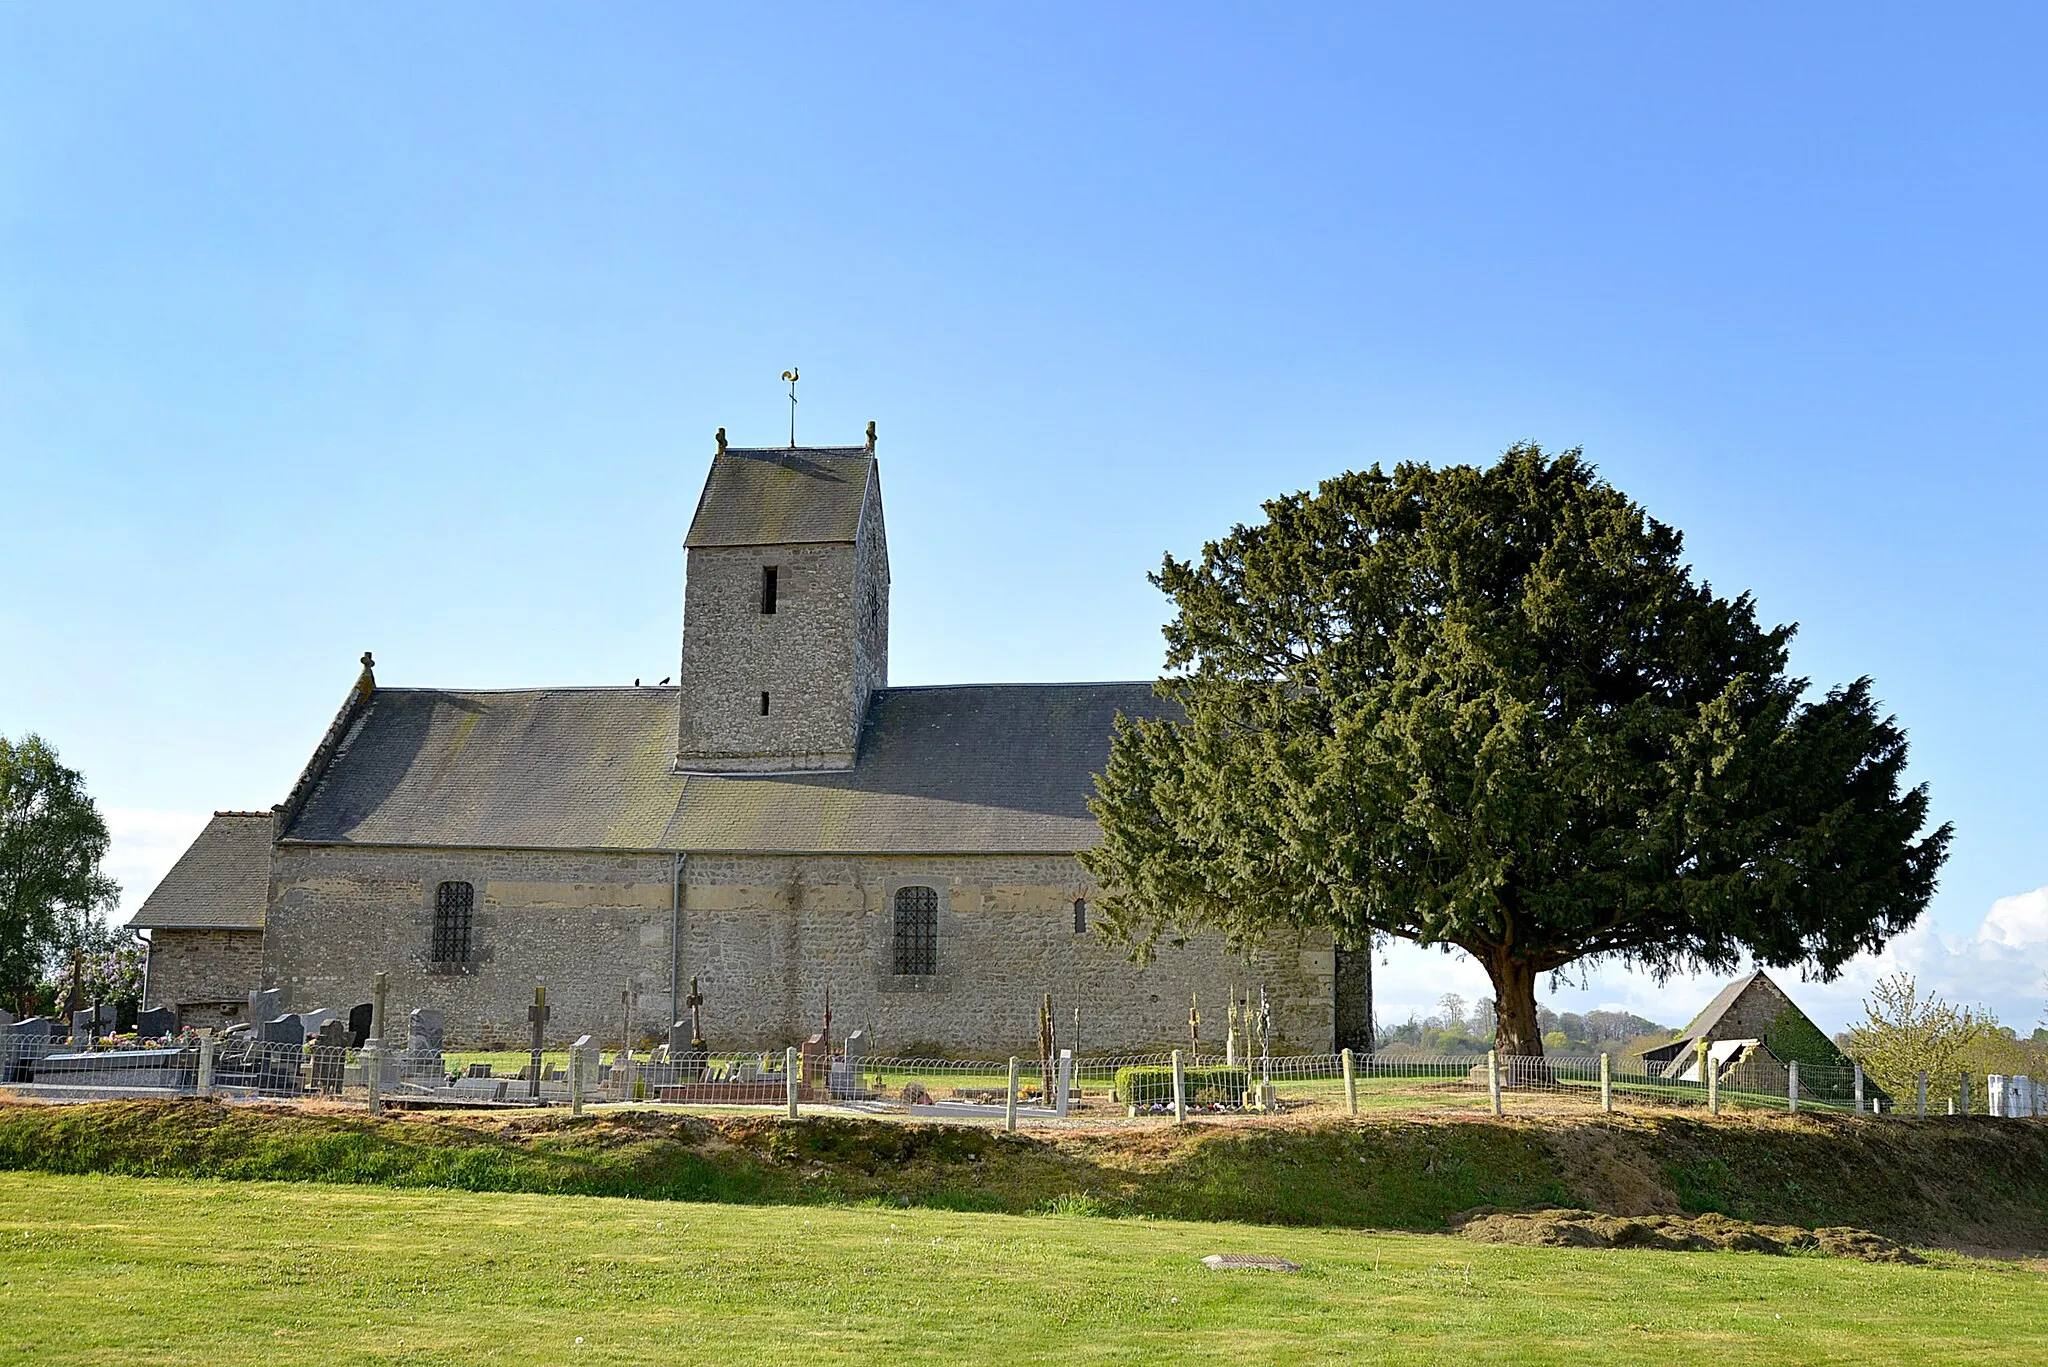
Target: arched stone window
<point x="1080" y="916"/>
<point x="917" y="930"/>
<point x="453" y="903"/>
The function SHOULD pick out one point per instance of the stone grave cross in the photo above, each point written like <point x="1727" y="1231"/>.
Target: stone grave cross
<point x="695" y="1001"/>
<point x="538" y="1014"/>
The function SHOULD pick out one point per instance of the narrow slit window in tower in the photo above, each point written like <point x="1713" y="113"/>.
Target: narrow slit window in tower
<point x="764" y="702"/>
<point x="1080" y="916"/>
<point x="767" y="590"/>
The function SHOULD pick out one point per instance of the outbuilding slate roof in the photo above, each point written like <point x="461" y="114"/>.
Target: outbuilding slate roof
<point x="222" y="882"/>
<point x="782" y="496"/>
<point x="977" y="768"/>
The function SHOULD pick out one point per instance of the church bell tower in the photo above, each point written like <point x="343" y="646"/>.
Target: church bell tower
<point x="785" y="609"/>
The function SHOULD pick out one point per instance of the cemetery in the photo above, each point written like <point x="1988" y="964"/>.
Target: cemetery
<point x="1733" y="1056"/>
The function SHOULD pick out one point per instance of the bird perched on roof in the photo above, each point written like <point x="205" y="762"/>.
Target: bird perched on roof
<point x="664" y="681"/>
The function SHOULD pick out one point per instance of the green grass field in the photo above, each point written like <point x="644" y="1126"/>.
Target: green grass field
<point x="124" y="1270"/>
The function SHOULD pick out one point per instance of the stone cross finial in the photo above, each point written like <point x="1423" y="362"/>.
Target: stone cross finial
<point x="871" y="436"/>
<point x="369" y="662"/>
<point x="721" y="441"/>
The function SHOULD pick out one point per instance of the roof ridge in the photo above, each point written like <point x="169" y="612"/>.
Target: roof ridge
<point x="265" y="815"/>
<point x="537" y="688"/>
<point x="1020" y="683"/>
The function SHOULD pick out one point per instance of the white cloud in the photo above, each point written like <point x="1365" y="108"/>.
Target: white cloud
<point x="2017" y="921"/>
<point x="143" y="844"/>
<point x="2001" y="966"/>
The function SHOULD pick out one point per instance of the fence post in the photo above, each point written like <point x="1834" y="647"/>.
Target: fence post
<point x="1713" y="1082"/>
<point x="1010" y="1096"/>
<point x="1606" y="1082"/>
<point x="1922" y="1087"/>
<point x="1066" y="1081"/>
<point x="1180" y="1090"/>
<point x="1350" y="1083"/>
<point x="576" y="1079"/>
<point x="789" y="1076"/>
<point x="206" y="1063"/>
<point x="1493" y="1078"/>
<point x="1792" y="1086"/>
<point x="1859" y="1089"/>
<point x="1966" y="1093"/>
<point x="373" y="1056"/>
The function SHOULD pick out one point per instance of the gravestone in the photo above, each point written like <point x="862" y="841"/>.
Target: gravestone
<point x="82" y="1022"/>
<point x="266" y="1004"/>
<point x="6" y="1019"/>
<point x="312" y="1022"/>
<point x="359" y="1024"/>
<point x="156" y="1022"/>
<point x="282" y="1030"/>
<point x="423" y="1041"/>
<point x="280" y="1048"/>
<point x="330" y="1057"/>
<point x="846" y="1077"/>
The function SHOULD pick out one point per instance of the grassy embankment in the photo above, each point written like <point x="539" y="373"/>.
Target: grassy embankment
<point x="120" y="1270"/>
<point x="1971" y="1184"/>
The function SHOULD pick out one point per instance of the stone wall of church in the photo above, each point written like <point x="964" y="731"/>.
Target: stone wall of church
<point x="587" y="926"/>
<point x="801" y="655"/>
<point x="766" y="935"/>
<point x="195" y="970"/>
<point x="870" y="604"/>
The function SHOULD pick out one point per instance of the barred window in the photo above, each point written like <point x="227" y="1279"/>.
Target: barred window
<point x="1080" y="916"/>
<point x="917" y="930"/>
<point x="453" y="903"/>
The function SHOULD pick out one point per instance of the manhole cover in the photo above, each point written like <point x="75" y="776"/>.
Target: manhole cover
<point x="1229" y="1262"/>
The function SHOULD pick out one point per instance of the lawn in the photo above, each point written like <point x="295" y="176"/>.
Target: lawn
<point x="120" y="1270"/>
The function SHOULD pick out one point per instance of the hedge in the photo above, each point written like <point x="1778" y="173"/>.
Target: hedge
<point x="1137" y="1086"/>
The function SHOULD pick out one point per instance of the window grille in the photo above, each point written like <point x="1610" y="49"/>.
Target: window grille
<point x="453" y="903"/>
<point x="1080" y="916"/>
<point x="917" y="930"/>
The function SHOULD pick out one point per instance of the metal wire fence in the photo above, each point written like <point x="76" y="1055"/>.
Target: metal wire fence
<point x="1064" y="1088"/>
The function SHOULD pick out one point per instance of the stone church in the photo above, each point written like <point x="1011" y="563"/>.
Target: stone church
<point x="780" y="824"/>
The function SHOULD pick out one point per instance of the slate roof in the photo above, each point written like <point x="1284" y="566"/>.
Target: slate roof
<point x="976" y="768"/>
<point x="776" y="496"/>
<point x="222" y="882"/>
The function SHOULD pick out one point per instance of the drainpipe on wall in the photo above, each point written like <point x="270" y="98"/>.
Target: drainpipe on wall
<point x="675" y="944"/>
<point x="147" y="945"/>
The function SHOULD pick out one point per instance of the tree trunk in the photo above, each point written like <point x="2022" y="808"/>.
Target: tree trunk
<point x="1515" y="1032"/>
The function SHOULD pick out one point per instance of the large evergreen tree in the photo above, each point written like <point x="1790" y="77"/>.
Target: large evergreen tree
<point x="51" y="888"/>
<point x="1491" y="708"/>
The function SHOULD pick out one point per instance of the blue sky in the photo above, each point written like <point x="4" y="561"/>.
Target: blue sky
<point x="406" y="328"/>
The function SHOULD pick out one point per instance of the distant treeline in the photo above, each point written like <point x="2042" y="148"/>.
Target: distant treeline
<point x="1455" y="1028"/>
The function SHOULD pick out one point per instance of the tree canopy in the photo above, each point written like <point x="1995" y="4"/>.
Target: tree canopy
<point x="51" y="843"/>
<point x="1491" y="708"/>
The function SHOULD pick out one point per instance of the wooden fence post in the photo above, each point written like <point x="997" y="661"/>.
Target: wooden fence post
<point x="1606" y="1082"/>
<point x="1010" y="1096"/>
<point x="1921" y="1087"/>
<point x="1859" y="1089"/>
<point x="1792" y="1086"/>
<point x="1180" y="1091"/>
<point x="1493" y="1078"/>
<point x="789" y="1076"/>
<point x="1350" y="1083"/>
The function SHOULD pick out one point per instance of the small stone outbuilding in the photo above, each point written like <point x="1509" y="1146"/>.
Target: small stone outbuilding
<point x="205" y="922"/>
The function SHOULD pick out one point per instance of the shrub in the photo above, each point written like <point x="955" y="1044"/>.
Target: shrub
<point x="1136" y="1086"/>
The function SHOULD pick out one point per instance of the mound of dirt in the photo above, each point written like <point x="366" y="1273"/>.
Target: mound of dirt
<point x="1674" y="1233"/>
